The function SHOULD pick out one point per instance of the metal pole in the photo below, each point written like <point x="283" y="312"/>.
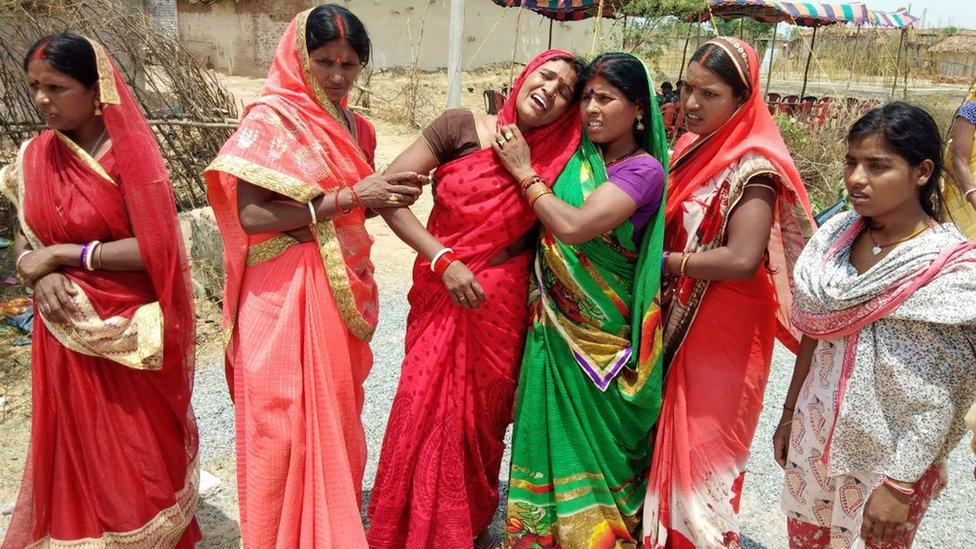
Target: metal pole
<point x="901" y="38"/>
<point x="511" y="71"/>
<point x="684" y="55"/>
<point x="806" y="71"/>
<point x="772" y="57"/>
<point x="550" y="35"/>
<point x="850" y="79"/>
<point x="455" y="33"/>
<point x="742" y="29"/>
<point x="596" y="26"/>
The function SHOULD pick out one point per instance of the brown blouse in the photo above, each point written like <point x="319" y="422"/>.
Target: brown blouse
<point x="452" y="135"/>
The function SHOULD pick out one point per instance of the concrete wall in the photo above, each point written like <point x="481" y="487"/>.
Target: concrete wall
<point x="165" y="15"/>
<point x="240" y="37"/>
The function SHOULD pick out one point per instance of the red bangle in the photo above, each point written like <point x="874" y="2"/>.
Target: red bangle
<point x="336" y="203"/>
<point x="443" y="262"/>
<point x="355" y="197"/>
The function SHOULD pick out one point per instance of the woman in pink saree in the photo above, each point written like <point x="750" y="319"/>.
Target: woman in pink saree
<point x="290" y="190"/>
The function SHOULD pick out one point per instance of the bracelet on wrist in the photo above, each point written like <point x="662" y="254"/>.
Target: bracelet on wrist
<point x="311" y="210"/>
<point x="897" y="487"/>
<point x="22" y="255"/>
<point x="89" y="252"/>
<point x="537" y="195"/>
<point x="443" y="262"/>
<point x="437" y="257"/>
<point x="685" y="256"/>
<point x="968" y="193"/>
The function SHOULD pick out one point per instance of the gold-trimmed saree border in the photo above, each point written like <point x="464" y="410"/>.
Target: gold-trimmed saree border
<point x="135" y="343"/>
<point x="163" y="530"/>
<point x="317" y="92"/>
<point x="324" y="231"/>
<point x="108" y="92"/>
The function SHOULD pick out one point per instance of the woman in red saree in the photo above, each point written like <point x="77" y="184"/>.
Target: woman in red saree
<point x="113" y="451"/>
<point x="737" y="218"/>
<point x="289" y="190"/>
<point x="437" y="483"/>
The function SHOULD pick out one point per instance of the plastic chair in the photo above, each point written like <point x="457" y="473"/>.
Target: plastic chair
<point x="493" y="101"/>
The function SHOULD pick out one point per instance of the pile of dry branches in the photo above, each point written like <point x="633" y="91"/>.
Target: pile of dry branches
<point x="191" y="114"/>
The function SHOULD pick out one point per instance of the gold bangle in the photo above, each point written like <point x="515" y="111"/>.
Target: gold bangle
<point x="536" y="193"/>
<point x="537" y="196"/>
<point x="685" y="256"/>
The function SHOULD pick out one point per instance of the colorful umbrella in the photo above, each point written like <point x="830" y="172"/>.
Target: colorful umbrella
<point x="896" y="20"/>
<point x="566" y="10"/>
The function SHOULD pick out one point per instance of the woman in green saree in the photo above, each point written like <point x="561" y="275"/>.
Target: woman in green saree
<point x="590" y="387"/>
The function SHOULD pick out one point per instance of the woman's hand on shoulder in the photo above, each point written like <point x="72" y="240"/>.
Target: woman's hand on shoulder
<point x="53" y="294"/>
<point x="463" y="286"/>
<point x="396" y="190"/>
<point x="513" y="151"/>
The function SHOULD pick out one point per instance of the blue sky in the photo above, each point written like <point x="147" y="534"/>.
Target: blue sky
<point x="939" y="12"/>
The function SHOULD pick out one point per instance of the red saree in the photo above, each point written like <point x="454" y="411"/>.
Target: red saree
<point x="719" y="335"/>
<point x="298" y="316"/>
<point x="113" y="450"/>
<point x="437" y="483"/>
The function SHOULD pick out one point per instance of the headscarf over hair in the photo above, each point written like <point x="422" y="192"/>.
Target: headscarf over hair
<point x="148" y="195"/>
<point x="499" y="201"/>
<point x="294" y="141"/>
<point x="699" y="158"/>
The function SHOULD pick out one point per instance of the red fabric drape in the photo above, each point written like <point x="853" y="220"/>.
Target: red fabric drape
<point x="697" y="159"/>
<point x="437" y="484"/>
<point x="112" y="448"/>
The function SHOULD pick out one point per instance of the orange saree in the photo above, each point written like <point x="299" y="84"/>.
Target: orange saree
<point x="297" y="317"/>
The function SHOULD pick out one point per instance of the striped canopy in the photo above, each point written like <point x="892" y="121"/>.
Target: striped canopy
<point x="897" y="20"/>
<point x="566" y="10"/>
<point x="805" y="14"/>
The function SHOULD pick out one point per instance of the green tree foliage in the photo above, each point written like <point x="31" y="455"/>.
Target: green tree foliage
<point x="652" y="9"/>
<point x="750" y="29"/>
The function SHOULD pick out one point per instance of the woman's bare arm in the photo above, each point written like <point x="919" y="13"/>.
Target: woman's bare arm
<point x="748" y="236"/>
<point x="601" y="212"/>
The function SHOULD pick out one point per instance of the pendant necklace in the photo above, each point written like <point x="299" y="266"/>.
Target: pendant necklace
<point x="878" y="247"/>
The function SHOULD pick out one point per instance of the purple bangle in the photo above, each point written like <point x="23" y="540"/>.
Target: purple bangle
<point x="84" y="252"/>
<point x="664" y="264"/>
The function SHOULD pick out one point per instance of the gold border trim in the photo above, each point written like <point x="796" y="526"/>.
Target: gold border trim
<point x="335" y="270"/>
<point x="269" y="249"/>
<point x="163" y="530"/>
<point x="737" y="60"/>
<point x="107" y="90"/>
<point x="327" y="105"/>
<point x="145" y="328"/>
<point x="264" y="177"/>
<point x="86" y="158"/>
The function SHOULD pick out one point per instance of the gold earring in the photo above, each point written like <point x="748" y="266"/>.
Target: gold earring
<point x="640" y="125"/>
<point x="98" y="108"/>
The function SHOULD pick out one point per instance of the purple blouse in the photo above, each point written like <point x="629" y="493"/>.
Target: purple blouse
<point x="642" y="178"/>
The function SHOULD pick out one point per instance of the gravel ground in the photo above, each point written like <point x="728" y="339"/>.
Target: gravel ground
<point x="950" y="523"/>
